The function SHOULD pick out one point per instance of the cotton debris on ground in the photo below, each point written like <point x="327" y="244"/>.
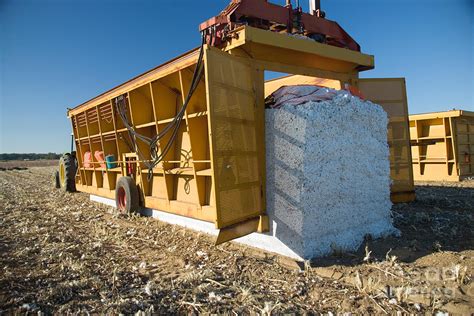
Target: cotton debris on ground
<point x="328" y="170"/>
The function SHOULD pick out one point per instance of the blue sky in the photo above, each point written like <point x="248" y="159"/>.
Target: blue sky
<point x="55" y="54"/>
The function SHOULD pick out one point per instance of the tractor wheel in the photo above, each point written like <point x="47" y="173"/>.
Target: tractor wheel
<point x="56" y="181"/>
<point x="126" y="195"/>
<point x="67" y="172"/>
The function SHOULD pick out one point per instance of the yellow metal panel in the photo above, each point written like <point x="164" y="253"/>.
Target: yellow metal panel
<point x="282" y="48"/>
<point x="443" y="145"/>
<point x="233" y="121"/>
<point x="275" y="84"/>
<point x="260" y="224"/>
<point x="463" y="143"/>
<point x="403" y="197"/>
<point x="390" y="93"/>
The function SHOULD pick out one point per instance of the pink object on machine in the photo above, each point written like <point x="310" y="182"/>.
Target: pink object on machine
<point x="87" y="159"/>
<point x="99" y="156"/>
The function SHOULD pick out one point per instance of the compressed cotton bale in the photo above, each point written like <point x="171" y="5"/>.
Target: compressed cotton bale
<point x="328" y="174"/>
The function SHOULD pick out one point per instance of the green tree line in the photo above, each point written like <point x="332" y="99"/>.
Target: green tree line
<point x="30" y="156"/>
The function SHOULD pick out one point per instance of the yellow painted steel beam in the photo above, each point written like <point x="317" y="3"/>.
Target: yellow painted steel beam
<point x="274" y="84"/>
<point x="306" y="71"/>
<point x="294" y="69"/>
<point x="402" y="197"/>
<point x="283" y="48"/>
<point x="257" y="224"/>
<point x="436" y="115"/>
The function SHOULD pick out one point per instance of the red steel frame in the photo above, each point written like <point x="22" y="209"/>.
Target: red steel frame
<point x="261" y="12"/>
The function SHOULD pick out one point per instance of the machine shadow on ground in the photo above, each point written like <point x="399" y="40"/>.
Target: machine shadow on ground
<point x="440" y="219"/>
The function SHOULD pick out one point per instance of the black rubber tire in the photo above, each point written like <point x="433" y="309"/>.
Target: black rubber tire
<point x="132" y="202"/>
<point x="68" y="163"/>
<point x="56" y="181"/>
<point x="73" y="153"/>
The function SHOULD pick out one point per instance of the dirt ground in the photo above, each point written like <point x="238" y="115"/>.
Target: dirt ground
<point x="63" y="253"/>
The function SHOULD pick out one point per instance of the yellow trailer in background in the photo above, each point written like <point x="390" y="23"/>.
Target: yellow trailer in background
<point x="442" y="145"/>
<point x="390" y="93"/>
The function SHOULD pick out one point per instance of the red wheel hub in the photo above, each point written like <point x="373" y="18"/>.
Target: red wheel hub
<point x="122" y="199"/>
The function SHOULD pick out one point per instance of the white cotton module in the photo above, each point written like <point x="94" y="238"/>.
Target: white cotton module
<point x="328" y="173"/>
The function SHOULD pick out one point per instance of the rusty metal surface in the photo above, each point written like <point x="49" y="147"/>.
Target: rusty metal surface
<point x="262" y="14"/>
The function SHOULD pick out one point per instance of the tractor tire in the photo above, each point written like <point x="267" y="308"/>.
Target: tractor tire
<point x="56" y="181"/>
<point x="126" y="195"/>
<point x="67" y="172"/>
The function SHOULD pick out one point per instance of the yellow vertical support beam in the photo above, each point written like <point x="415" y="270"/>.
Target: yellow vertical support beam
<point x="167" y="179"/>
<point x="446" y="146"/>
<point x="78" y="147"/>
<point x="184" y="81"/>
<point x="89" y="140"/>
<point x="119" y="154"/>
<point x="259" y="87"/>
<point x="454" y="141"/>
<point x="102" y="146"/>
